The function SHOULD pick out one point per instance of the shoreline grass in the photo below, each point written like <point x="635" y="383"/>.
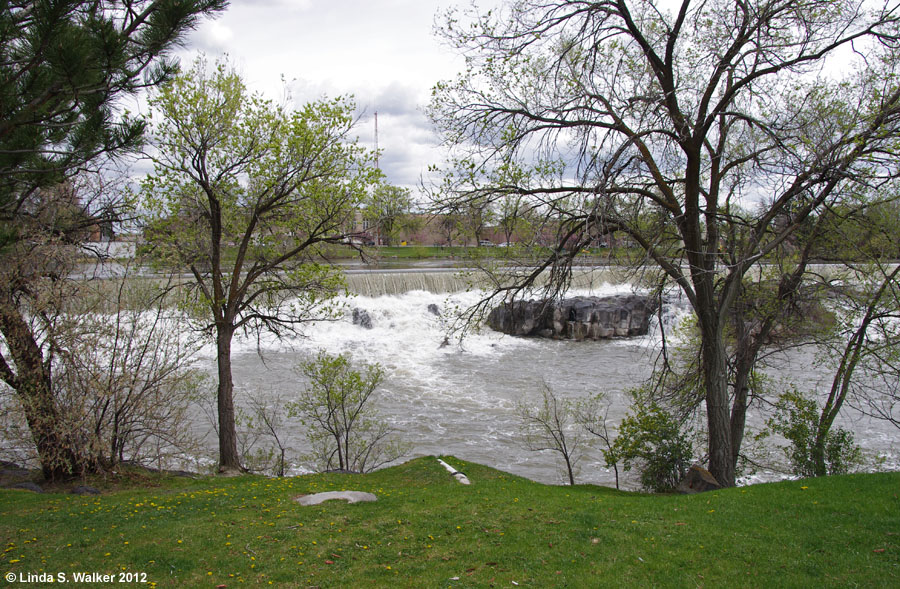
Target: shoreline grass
<point x="426" y="530"/>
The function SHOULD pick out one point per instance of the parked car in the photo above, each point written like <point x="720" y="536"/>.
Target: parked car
<point x="486" y="243"/>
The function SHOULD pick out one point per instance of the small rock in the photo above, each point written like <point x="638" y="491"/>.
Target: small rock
<point x="84" y="490"/>
<point x="434" y="310"/>
<point x="362" y="318"/>
<point x="348" y="496"/>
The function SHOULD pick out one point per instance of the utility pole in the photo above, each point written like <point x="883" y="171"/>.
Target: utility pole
<point x="376" y="141"/>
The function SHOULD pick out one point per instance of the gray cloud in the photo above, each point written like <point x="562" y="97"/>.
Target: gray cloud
<point x="383" y="53"/>
<point x="397" y="99"/>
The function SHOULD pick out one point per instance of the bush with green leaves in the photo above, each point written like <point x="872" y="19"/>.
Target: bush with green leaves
<point x="344" y="430"/>
<point x="797" y="418"/>
<point x="653" y="441"/>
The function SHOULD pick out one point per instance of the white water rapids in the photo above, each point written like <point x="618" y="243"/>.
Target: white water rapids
<point x="460" y="400"/>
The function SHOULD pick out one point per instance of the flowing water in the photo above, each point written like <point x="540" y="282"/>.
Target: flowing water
<point x="461" y="399"/>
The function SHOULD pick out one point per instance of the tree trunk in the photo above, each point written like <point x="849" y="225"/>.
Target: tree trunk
<point x="569" y="469"/>
<point x="61" y="452"/>
<point x="739" y="412"/>
<point x="715" y="379"/>
<point x="745" y="360"/>
<point x="229" y="459"/>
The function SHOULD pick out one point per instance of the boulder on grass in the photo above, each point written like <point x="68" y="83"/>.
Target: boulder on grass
<point x="84" y="490"/>
<point x="697" y="480"/>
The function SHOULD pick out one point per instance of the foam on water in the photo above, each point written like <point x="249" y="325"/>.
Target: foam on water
<point x="453" y="399"/>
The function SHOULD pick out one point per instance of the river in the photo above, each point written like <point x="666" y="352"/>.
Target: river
<point x="460" y="400"/>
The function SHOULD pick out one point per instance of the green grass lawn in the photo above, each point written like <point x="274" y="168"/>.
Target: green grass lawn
<point x="426" y="252"/>
<point x="427" y="530"/>
<point x="422" y="252"/>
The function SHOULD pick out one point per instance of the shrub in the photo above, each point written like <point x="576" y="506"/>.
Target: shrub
<point x="651" y="440"/>
<point x="344" y="430"/>
<point x="797" y="420"/>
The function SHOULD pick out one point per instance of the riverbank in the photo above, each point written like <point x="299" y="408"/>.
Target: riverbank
<point x="427" y="530"/>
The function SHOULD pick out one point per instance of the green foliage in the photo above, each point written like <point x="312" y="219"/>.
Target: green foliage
<point x="652" y="440"/>
<point x="343" y="428"/>
<point x="797" y="419"/>
<point x="64" y="65"/>
<point x="858" y="231"/>
<point x="245" y="193"/>
<point x="387" y="211"/>
<point x="236" y="171"/>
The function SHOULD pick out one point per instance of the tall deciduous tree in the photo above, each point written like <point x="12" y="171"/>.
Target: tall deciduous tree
<point x="243" y="195"/>
<point x="64" y="66"/>
<point x="662" y="125"/>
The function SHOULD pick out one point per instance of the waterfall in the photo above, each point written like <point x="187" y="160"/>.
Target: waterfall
<point x="378" y="283"/>
<point x="386" y="282"/>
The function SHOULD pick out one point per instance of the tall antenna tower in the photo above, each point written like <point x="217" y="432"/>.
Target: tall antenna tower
<point x="376" y="141"/>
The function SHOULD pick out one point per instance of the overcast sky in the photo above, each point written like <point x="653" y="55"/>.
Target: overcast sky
<point x="383" y="52"/>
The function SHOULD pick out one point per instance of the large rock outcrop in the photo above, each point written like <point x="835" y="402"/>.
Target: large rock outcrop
<point x="578" y="318"/>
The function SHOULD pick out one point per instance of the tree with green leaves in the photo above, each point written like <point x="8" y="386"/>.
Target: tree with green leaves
<point x="673" y="128"/>
<point x="386" y="210"/>
<point x="243" y="195"/>
<point x="65" y="67"/>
